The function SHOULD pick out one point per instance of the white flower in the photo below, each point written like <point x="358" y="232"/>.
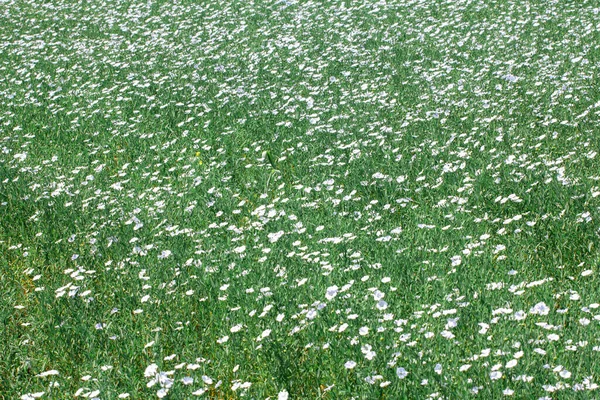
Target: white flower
<point x="447" y="334"/>
<point x="540" y="308"/>
<point x="382" y="305"/>
<point x="283" y="395"/>
<point x="350" y="364"/>
<point x="565" y="374"/>
<point x="464" y="368"/>
<point x="367" y="350"/>
<point x="401" y="372"/>
<point x="162" y="393"/>
<point x="438" y="369"/>
<point x="520" y="315"/>
<point x="363" y="331"/>
<point x="273" y="237"/>
<point x="378" y="295"/>
<point x="223" y="339"/>
<point x="165" y="254"/>
<point x="187" y="380"/>
<point x="456" y="261"/>
<point x="495" y="375"/>
<point x="32" y="396"/>
<point x="151" y="370"/>
<point x="164" y="380"/>
<point x="452" y="323"/>
<point x="508" y="392"/>
<point x="48" y="373"/>
<point x="395" y="231"/>
<point x="265" y="333"/>
<point x="484" y="327"/>
<point x="511" y="363"/>
<point x="331" y="292"/>
<point x="553" y="337"/>
<point x="574" y="296"/>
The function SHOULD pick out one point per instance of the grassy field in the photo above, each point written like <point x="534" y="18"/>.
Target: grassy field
<point x="299" y="199"/>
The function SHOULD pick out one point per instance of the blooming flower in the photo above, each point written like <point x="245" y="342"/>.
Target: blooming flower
<point x="48" y="373"/>
<point x="223" y="339"/>
<point x="331" y="292"/>
<point x="564" y="374"/>
<point x="151" y="370"/>
<point x="350" y="364"/>
<point x="401" y="372"/>
<point x="540" y="309"/>
<point x="165" y="254"/>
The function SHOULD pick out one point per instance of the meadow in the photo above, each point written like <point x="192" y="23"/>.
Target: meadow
<point x="299" y="199"/>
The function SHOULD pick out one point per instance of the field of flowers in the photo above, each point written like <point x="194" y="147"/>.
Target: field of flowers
<point x="299" y="199"/>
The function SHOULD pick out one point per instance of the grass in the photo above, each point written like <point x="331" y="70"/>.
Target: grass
<point x="299" y="200"/>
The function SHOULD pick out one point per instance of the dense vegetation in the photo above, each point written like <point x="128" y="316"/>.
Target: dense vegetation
<point x="299" y="199"/>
